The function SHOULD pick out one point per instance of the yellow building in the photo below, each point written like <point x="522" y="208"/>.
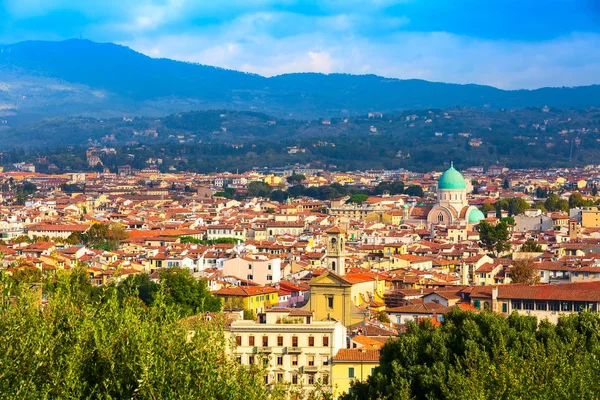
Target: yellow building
<point x="273" y="180"/>
<point x="392" y="217"/>
<point x="350" y="365"/>
<point x="590" y="217"/>
<point x="252" y="298"/>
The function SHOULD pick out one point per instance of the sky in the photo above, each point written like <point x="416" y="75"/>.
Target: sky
<point x="509" y="44"/>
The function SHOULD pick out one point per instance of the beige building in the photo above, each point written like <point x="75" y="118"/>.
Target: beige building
<point x="590" y="217"/>
<point x="295" y="348"/>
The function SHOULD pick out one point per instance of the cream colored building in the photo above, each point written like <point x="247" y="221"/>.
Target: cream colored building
<point x="295" y="348"/>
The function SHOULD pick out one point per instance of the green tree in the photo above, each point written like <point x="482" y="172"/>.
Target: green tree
<point x="488" y="356"/>
<point x="555" y="203"/>
<point x="187" y="292"/>
<point x="259" y="189"/>
<point x="494" y="239"/>
<point x="358" y="198"/>
<point x="415" y="190"/>
<point x="81" y="348"/>
<point x="295" y="179"/>
<point x="505" y="184"/>
<point x="531" y="246"/>
<point x="104" y="236"/>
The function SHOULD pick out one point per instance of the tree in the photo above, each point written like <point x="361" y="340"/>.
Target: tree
<point x="524" y="271"/>
<point x="415" y="191"/>
<point x="358" y="198"/>
<point x="555" y="203"/>
<point x="81" y="348"/>
<point x="259" y="189"/>
<point x="531" y="246"/>
<point x="487" y="207"/>
<point x="472" y="356"/>
<point x="190" y="294"/>
<point x="295" y="179"/>
<point x="594" y="190"/>
<point x="505" y="184"/>
<point x="498" y="210"/>
<point x="279" y="195"/>
<point x="104" y="236"/>
<point x="494" y="238"/>
<point x="382" y="316"/>
<point x="575" y="200"/>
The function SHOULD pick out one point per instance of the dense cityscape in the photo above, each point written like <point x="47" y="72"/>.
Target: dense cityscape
<point x="316" y="270"/>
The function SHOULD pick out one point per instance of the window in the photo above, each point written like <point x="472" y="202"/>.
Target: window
<point x="294" y="359"/>
<point x="294" y="379"/>
<point x="554" y="305"/>
<point x="540" y="305"/>
<point x="238" y="340"/>
<point x="265" y="341"/>
<point x="266" y="379"/>
<point x="325" y="341"/>
<point x="250" y="277"/>
<point x="280" y="360"/>
<point x="294" y="341"/>
<point x="330" y="301"/>
<point x="311" y="341"/>
<point x="311" y="361"/>
<point x="239" y="359"/>
<point x="269" y="267"/>
<point x="251" y="341"/>
<point x="279" y="377"/>
<point x="249" y="266"/>
<point x="372" y="370"/>
<point x="586" y="274"/>
<point x="251" y="360"/>
<point x="528" y="305"/>
<point x="325" y="360"/>
<point x="351" y="372"/>
<point x="477" y="304"/>
<point x="269" y="277"/>
<point x="279" y="340"/>
<point x="440" y="217"/>
<point x="566" y="306"/>
<point x="516" y="304"/>
<point x="311" y="379"/>
<point x="504" y="307"/>
<point x="325" y="379"/>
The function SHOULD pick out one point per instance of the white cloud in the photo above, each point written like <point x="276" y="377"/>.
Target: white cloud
<point x="436" y="56"/>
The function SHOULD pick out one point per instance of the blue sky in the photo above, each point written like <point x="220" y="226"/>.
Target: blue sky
<point x="504" y="43"/>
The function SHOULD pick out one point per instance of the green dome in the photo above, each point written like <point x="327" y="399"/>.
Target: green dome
<point x="475" y="216"/>
<point x="452" y="179"/>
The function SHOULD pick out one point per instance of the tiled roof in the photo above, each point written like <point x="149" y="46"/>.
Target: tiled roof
<point x="356" y="355"/>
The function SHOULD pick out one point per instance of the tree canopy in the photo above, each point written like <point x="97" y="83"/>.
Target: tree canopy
<point x="494" y="238"/>
<point x="82" y="347"/>
<point x="524" y="271"/>
<point x="488" y="356"/>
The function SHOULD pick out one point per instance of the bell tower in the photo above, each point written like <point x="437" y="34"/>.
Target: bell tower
<point x="336" y="250"/>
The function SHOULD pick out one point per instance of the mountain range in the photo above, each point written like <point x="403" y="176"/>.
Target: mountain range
<point x="80" y="77"/>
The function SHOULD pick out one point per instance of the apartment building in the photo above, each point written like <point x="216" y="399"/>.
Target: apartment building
<point x="294" y="348"/>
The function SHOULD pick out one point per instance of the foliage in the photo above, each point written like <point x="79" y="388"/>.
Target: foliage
<point x="576" y="200"/>
<point x="524" y="271"/>
<point x="555" y="203"/>
<point x="487" y="356"/>
<point x="189" y="239"/>
<point x="531" y="246"/>
<point x="80" y="348"/>
<point x="104" y="236"/>
<point x="415" y="190"/>
<point x="494" y="238"/>
<point x="188" y="293"/>
<point x="358" y="198"/>
<point x="382" y="316"/>
<point x="295" y="179"/>
<point x="228" y="193"/>
<point x="514" y="206"/>
<point x="259" y="189"/>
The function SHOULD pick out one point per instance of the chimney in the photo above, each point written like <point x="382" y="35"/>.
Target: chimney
<point x="464" y="274"/>
<point x="494" y="298"/>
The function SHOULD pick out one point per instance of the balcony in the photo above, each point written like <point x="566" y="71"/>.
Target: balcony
<point x="263" y="350"/>
<point x="309" y="369"/>
<point x="293" y="350"/>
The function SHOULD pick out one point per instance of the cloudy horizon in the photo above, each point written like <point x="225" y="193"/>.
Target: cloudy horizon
<point x="508" y="44"/>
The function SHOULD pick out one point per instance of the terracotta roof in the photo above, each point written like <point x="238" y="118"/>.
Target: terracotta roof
<point x="357" y="355"/>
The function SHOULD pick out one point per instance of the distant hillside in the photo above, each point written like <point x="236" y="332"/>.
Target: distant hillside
<point x="83" y="77"/>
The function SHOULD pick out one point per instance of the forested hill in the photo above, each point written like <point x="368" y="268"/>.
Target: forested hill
<point x="82" y="77"/>
<point x="420" y="140"/>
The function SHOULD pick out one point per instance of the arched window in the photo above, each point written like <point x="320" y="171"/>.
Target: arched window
<point x="333" y="265"/>
<point x="440" y="217"/>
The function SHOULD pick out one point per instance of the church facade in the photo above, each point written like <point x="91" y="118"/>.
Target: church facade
<point x="452" y="206"/>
